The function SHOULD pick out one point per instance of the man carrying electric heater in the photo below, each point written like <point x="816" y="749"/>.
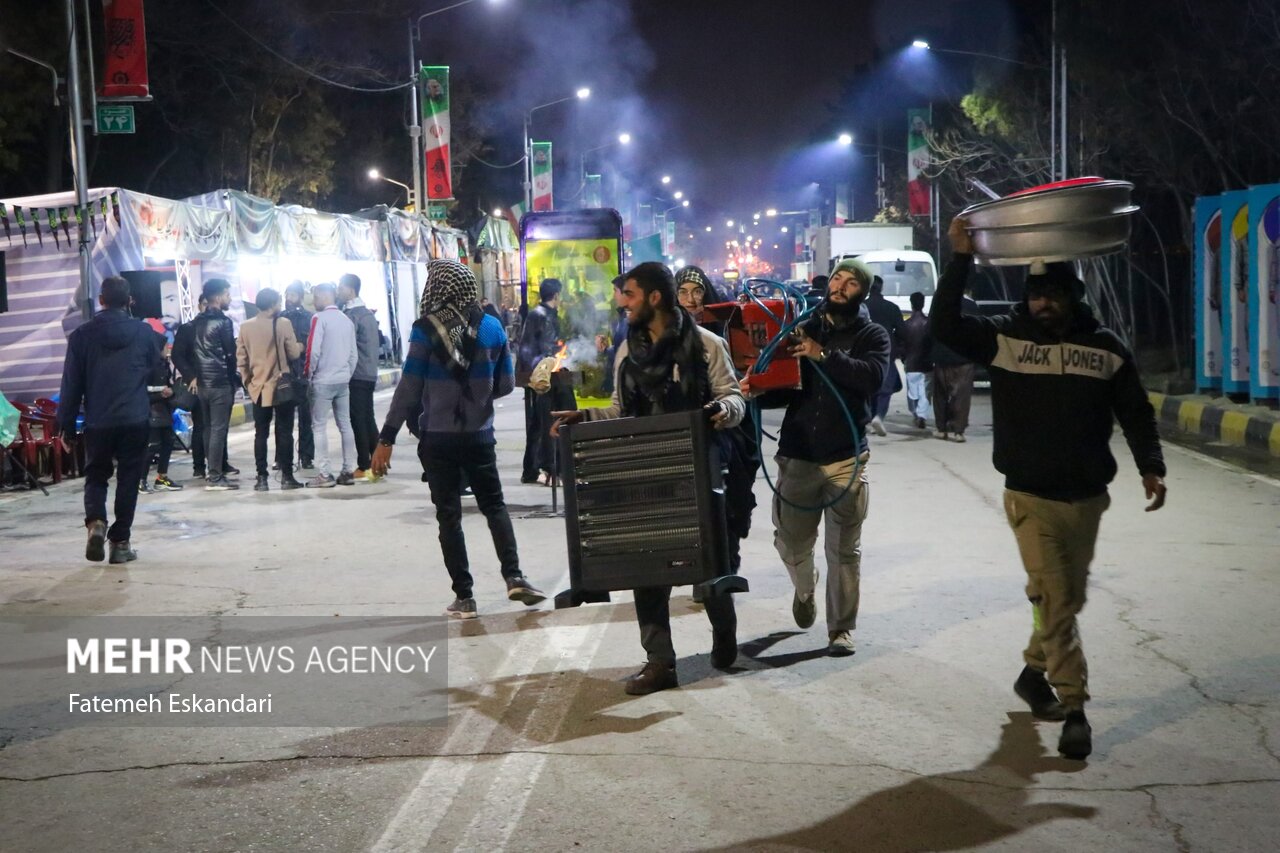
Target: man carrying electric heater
<point x="668" y="363"/>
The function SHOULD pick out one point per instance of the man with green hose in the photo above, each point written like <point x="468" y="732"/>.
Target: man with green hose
<point x="819" y="452"/>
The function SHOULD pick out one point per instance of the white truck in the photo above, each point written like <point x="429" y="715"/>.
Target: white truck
<point x="904" y="272"/>
<point x="832" y="243"/>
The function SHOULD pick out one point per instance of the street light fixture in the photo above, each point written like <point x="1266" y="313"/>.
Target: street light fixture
<point x="375" y="175"/>
<point x="728" y="224"/>
<point x="677" y="195"/>
<point x="845" y="139"/>
<point x="582" y="94"/>
<point x="773" y="211"/>
<point x="666" y="179"/>
<point x="624" y="138"/>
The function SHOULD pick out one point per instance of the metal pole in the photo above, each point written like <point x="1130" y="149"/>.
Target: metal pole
<point x="415" y="129"/>
<point x="528" y="168"/>
<point x="1053" y="91"/>
<point x="880" y="200"/>
<point x="1061" y="123"/>
<point x="78" y="160"/>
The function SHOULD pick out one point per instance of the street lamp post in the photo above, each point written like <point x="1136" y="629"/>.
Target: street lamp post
<point x="415" y="126"/>
<point x="623" y="139"/>
<point x="582" y="94"/>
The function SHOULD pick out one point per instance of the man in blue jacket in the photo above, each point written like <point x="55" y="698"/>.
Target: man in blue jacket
<point x="108" y="362"/>
<point x="1059" y="382"/>
<point x="458" y="364"/>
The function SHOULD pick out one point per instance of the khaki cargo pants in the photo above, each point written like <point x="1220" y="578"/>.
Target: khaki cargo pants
<point x="1056" y="540"/>
<point x="796" y="531"/>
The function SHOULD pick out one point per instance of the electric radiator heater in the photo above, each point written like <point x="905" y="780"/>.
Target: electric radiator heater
<point x="644" y="506"/>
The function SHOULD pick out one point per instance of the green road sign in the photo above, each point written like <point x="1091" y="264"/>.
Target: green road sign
<point x="116" y="119"/>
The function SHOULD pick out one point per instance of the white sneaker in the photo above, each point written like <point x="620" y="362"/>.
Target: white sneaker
<point x="958" y="437"/>
<point x="877" y="426"/>
<point x="840" y="643"/>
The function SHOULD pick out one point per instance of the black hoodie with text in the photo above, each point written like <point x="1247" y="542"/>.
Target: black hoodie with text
<point x="1054" y="401"/>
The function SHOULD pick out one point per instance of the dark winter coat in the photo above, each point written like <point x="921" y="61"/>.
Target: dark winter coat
<point x="108" y="364"/>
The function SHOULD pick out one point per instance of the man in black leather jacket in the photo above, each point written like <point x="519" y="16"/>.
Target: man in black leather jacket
<point x="297" y="314"/>
<point x="213" y="351"/>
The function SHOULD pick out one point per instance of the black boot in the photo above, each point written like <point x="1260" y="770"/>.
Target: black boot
<point x="287" y="480"/>
<point x="122" y="553"/>
<point x="1077" y="736"/>
<point x="94" y="549"/>
<point x="261" y="485"/>
<point x="1033" y="688"/>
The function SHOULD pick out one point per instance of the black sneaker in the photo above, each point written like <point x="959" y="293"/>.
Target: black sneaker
<point x="346" y="478"/>
<point x="305" y="463"/>
<point x="804" y="612"/>
<point x="261" y="485"/>
<point x="122" y="553"/>
<point x="1033" y="688"/>
<point x="1077" y="736"/>
<point x="95" y="549"/>
<point x="230" y="470"/>
<point x="288" y="482"/>
<point x="199" y="473"/>
<point x="462" y="608"/>
<point x="519" y="589"/>
<point x="164" y="484"/>
<point x="222" y="484"/>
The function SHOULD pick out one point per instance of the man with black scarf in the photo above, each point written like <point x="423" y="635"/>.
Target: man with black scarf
<point x="821" y="460"/>
<point x="459" y="362"/>
<point x="669" y="364"/>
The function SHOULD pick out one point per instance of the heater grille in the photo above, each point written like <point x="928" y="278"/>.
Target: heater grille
<point x="644" y="502"/>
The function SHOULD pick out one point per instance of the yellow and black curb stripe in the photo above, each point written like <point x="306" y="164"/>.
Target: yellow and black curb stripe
<point x="1216" y="423"/>
<point x="243" y="412"/>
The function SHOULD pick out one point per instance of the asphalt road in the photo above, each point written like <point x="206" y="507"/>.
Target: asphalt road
<point x="915" y="743"/>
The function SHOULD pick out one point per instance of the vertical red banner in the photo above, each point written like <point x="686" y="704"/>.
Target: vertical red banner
<point x="124" y="74"/>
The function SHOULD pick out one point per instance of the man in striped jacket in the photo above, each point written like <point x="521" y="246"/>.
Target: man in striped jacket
<point x="459" y="362"/>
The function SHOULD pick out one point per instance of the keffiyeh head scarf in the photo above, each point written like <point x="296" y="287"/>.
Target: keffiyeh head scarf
<point x="450" y="308"/>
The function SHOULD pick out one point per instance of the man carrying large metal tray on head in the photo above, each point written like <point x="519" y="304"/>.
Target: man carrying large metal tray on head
<point x="1059" y="379"/>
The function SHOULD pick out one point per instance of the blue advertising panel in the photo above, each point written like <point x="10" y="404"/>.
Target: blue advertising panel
<point x="1207" y="247"/>
<point x="1235" y="291"/>
<point x="1264" y="250"/>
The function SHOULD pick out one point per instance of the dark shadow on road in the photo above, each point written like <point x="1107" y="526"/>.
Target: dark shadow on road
<point x="950" y="811"/>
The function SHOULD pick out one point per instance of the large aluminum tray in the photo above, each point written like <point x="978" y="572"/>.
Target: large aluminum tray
<point x="1080" y="218"/>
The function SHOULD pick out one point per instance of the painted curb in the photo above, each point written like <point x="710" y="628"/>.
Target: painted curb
<point x="1218" y="423"/>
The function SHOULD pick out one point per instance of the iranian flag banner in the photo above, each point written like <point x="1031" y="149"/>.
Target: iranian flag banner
<point x="541" y="175"/>
<point x="434" y="80"/>
<point x="919" y="159"/>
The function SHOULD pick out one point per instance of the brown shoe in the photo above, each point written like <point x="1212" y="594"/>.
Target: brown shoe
<point x="652" y="678"/>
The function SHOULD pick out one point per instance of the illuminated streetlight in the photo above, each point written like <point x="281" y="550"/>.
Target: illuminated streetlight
<point x="375" y="175"/>
<point x="684" y="203"/>
<point x="773" y="211"/>
<point x="845" y="139"/>
<point x="729" y="223"/>
<point x="708" y="229"/>
<point x="497" y="211"/>
<point x="920" y="44"/>
<point x="677" y="195"/>
<point x="784" y="229"/>
<point x="624" y="139"/>
<point x="666" y="179"/>
<point x="583" y="93"/>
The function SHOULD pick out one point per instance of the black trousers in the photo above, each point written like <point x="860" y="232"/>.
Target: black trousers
<point x="532" y="438"/>
<point x="445" y="462"/>
<point x="162" y="439"/>
<point x="215" y="407"/>
<point x="199" y="438"/>
<point x="539" y="446"/>
<point x="363" y="423"/>
<point x="262" y="417"/>
<point x="124" y="450"/>
<point x="653" y="612"/>
<point x="306" y="443"/>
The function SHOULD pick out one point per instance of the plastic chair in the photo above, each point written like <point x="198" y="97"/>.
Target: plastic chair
<point x="49" y="444"/>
